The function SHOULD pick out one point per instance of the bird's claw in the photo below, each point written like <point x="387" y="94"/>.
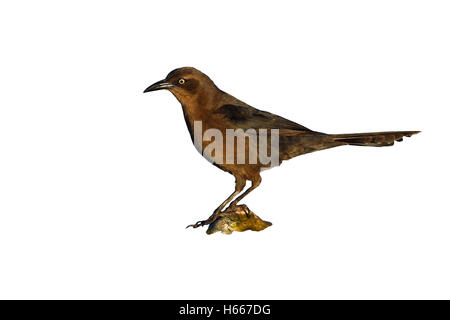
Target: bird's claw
<point x="197" y="224"/>
<point x="202" y="223"/>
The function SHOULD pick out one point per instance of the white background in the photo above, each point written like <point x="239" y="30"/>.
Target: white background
<point x="98" y="181"/>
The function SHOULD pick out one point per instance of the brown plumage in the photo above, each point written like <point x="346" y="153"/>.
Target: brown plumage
<point x="201" y="100"/>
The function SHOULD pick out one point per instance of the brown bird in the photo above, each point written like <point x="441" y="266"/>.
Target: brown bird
<point x="203" y="101"/>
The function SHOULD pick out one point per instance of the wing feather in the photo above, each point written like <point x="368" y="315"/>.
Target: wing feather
<point x="247" y="117"/>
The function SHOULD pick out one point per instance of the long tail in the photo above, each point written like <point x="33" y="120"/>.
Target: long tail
<point x="372" y="139"/>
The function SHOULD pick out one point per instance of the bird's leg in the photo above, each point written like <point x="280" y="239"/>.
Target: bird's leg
<point x="239" y="186"/>
<point x="255" y="183"/>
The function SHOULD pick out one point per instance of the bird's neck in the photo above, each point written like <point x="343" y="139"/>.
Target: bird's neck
<point x="199" y="106"/>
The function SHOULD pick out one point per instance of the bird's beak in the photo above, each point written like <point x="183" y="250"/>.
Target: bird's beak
<point x="163" y="84"/>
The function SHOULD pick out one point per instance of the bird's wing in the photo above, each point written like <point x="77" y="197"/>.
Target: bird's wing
<point x="247" y="117"/>
<point x="295" y="139"/>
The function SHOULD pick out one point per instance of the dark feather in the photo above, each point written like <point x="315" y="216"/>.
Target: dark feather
<point x="247" y="117"/>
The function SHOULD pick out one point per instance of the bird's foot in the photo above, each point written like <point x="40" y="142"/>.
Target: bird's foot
<point x="210" y="220"/>
<point x="197" y="224"/>
<point x="233" y="207"/>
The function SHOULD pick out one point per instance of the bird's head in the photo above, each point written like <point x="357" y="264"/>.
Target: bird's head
<point x="187" y="84"/>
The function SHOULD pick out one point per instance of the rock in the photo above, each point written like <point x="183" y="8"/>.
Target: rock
<point x="239" y="218"/>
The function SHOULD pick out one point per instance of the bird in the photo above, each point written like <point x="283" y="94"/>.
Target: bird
<point x="203" y="102"/>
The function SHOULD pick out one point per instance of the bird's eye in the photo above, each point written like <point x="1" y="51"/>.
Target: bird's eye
<point x="181" y="81"/>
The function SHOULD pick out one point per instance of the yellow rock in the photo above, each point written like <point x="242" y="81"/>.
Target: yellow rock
<point x="239" y="218"/>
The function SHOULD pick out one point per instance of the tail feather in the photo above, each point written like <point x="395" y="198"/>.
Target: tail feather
<point x="373" y="139"/>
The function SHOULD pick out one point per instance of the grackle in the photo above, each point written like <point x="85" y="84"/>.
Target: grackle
<point x="203" y="102"/>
